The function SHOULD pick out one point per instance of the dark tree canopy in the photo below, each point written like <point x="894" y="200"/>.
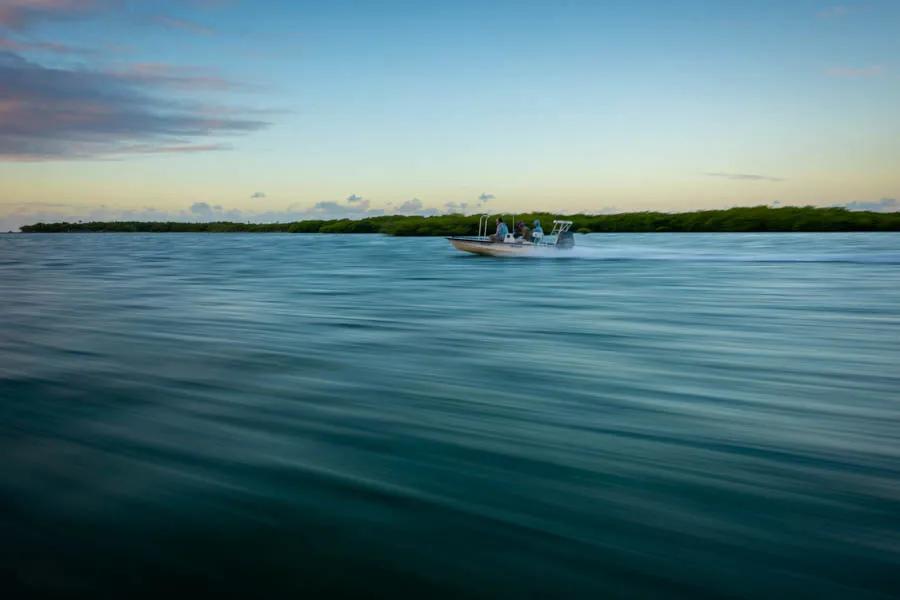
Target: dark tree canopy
<point x="756" y="218"/>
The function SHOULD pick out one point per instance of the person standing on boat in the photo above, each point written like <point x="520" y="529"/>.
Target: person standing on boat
<point x="502" y="230"/>
<point x="537" y="234"/>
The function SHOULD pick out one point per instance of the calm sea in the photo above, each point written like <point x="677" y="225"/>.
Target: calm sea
<point x="666" y="414"/>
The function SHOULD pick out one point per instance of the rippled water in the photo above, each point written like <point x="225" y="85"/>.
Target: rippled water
<point x="677" y="414"/>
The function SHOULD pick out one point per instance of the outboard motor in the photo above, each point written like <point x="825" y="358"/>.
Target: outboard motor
<point x="565" y="240"/>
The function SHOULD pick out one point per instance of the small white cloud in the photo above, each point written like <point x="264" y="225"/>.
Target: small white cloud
<point x="204" y="210"/>
<point x="327" y="205"/>
<point x="410" y="206"/>
<point x="458" y="208"/>
<point x="485" y="197"/>
<point x="414" y="206"/>
<point x="353" y="198"/>
<point x="258" y="195"/>
<point x="329" y="209"/>
<point x="201" y="208"/>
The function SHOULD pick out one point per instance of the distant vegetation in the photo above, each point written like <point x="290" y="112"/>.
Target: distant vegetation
<point x="757" y="218"/>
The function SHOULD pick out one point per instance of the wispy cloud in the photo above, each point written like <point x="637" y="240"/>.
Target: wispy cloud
<point x="58" y="113"/>
<point x="883" y="205"/>
<point x="175" y="76"/>
<point x="37" y="46"/>
<point x="744" y="177"/>
<point x="20" y="14"/>
<point x="353" y="198"/>
<point x="485" y="197"/>
<point x="855" y="72"/>
<point x="182" y="25"/>
<point x="173" y="149"/>
<point x="212" y="4"/>
<point x="834" y="12"/>
<point x="256" y="195"/>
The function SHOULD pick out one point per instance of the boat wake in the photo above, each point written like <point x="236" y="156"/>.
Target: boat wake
<point x="643" y="253"/>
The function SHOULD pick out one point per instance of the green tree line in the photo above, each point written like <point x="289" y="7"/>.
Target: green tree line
<point x="756" y="218"/>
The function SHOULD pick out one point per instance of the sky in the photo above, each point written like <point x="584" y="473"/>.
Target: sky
<point x="284" y="110"/>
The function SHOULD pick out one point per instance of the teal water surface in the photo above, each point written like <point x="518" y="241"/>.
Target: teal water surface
<point x="657" y="415"/>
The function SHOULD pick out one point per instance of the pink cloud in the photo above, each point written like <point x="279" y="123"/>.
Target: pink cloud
<point x="184" y="78"/>
<point x="18" y="14"/>
<point x="23" y="46"/>
<point x="174" y="149"/>
<point x="57" y="113"/>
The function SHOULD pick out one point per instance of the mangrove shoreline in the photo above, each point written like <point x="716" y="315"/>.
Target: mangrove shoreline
<point x="746" y="219"/>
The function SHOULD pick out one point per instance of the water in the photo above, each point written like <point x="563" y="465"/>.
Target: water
<point x="667" y="414"/>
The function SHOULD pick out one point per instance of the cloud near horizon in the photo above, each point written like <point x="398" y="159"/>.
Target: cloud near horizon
<point x="199" y="208"/>
<point x="456" y="208"/>
<point x="744" y="177"/>
<point x="414" y="206"/>
<point x="52" y="212"/>
<point x="883" y="205"/>
<point x="30" y="213"/>
<point x="49" y="113"/>
<point x="410" y="206"/>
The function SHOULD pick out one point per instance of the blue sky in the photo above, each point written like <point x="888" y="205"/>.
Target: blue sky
<point x="273" y="110"/>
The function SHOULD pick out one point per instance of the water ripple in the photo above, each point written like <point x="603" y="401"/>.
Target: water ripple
<point x="678" y="415"/>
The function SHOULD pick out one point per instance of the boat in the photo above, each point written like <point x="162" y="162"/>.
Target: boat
<point x="559" y="239"/>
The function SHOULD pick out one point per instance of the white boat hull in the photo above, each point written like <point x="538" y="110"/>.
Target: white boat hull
<point x="491" y="248"/>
